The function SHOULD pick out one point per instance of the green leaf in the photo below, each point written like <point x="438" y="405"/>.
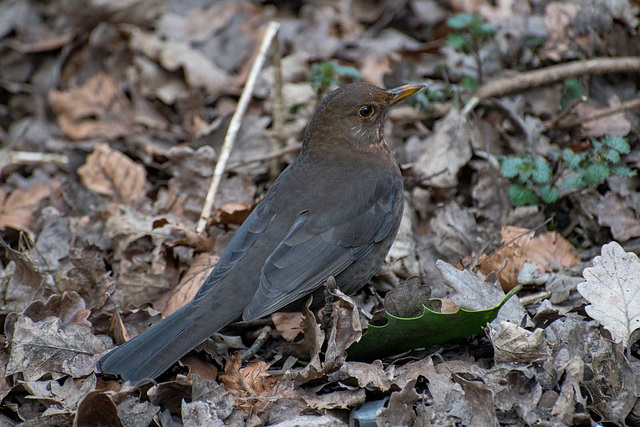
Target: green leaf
<point x="571" y="159"/>
<point x="541" y="171"/>
<point x="522" y="196"/>
<point x="623" y="171"/>
<point x="347" y="71"/>
<point x="595" y="174"/>
<point x="618" y="143"/>
<point x="460" y="21"/>
<point x="432" y="328"/>
<point x="482" y="29"/>
<point x="549" y="194"/>
<point x="510" y="166"/>
<point x="611" y="155"/>
<point x="469" y="83"/>
<point x="526" y="170"/>
<point x="571" y="92"/>
<point x="458" y="42"/>
<point x="574" y="183"/>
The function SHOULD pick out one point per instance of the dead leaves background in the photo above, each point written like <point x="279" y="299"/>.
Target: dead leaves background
<point x="137" y="96"/>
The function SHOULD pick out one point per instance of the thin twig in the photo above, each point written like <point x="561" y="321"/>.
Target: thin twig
<point x="234" y="125"/>
<point x="556" y="73"/>
<point x="278" y="106"/>
<point x="265" y="333"/>
<point x="28" y="157"/>
<point x="605" y="112"/>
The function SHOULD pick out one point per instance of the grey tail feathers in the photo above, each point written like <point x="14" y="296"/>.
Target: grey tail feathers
<point x="149" y="354"/>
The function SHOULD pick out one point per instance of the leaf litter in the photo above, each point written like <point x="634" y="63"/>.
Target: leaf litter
<point x="137" y="99"/>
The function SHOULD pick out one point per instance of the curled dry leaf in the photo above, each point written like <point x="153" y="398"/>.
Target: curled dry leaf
<point x="18" y="207"/>
<point x="96" y="109"/>
<point x="549" y="251"/>
<point x="68" y="307"/>
<point x="111" y="173"/>
<point x="612" y="287"/>
<point x="511" y="343"/>
<point x="288" y="324"/>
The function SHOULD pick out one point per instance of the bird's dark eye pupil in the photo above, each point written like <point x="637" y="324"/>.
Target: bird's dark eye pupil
<point x="366" y="111"/>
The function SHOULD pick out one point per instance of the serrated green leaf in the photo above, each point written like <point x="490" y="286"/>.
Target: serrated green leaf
<point x="460" y="21"/>
<point x="611" y="155"/>
<point x="595" y="174"/>
<point x="522" y="196"/>
<point x="617" y="143"/>
<point x="541" y="171"/>
<point x="510" y="166"/>
<point x="526" y="170"/>
<point x="574" y="183"/>
<point x="623" y="171"/>
<point x="432" y="328"/>
<point x="549" y="194"/>
<point x="571" y="159"/>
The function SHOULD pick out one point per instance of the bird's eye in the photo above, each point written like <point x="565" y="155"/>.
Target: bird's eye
<point x="366" y="111"/>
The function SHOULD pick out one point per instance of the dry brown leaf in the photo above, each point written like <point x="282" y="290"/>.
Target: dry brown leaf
<point x="558" y="17"/>
<point x="288" y="324"/>
<point x="615" y="124"/>
<point x="232" y="213"/>
<point x="96" y="109"/>
<point x="191" y="281"/>
<point x="251" y="381"/>
<point x="549" y="251"/>
<point x="112" y="173"/>
<point x="17" y="207"/>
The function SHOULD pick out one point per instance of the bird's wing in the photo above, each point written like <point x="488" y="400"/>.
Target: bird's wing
<point x="319" y="246"/>
<point x="242" y="241"/>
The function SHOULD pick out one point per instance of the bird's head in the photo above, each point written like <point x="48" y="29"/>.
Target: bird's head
<point x="354" y="114"/>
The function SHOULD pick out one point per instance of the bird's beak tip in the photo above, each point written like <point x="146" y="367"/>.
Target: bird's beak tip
<point x="402" y="92"/>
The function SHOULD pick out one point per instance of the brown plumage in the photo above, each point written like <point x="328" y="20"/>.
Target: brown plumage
<point x="335" y="211"/>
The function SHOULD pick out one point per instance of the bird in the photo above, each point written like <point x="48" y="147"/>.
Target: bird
<point x="333" y="212"/>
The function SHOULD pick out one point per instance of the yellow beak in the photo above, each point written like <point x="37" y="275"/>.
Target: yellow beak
<point x="402" y="92"/>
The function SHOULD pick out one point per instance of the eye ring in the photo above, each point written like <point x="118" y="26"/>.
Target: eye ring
<point x="366" y="111"/>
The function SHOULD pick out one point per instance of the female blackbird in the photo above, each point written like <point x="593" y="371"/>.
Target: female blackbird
<point x="334" y="211"/>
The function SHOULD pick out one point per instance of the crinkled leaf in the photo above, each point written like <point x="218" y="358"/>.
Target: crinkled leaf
<point x="618" y="143"/>
<point x="611" y="155"/>
<point x="623" y="171"/>
<point x="571" y="159"/>
<point x="595" y="174"/>
<point x="510" y="166"/>
<point x="431" y="328"/>
<point x="522" y="196"/>
<point x="612" y="287"/>
<point x="541" y="171"/>
<point x="549" y="194"/>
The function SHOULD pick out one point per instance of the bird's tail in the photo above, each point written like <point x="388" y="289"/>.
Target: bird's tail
<point x="149" y="354"/>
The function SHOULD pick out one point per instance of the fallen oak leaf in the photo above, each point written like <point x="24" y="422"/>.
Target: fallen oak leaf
<point x="48" y="346"/>
<point x="252" y="382"/>
<point x="612" y="287"/>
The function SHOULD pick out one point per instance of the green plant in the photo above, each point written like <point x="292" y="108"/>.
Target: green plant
<point x="571" y="92"/>
<point x="329" y="73"/>
<point x="468" y="35"/>
<point x="532" y="178"/>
